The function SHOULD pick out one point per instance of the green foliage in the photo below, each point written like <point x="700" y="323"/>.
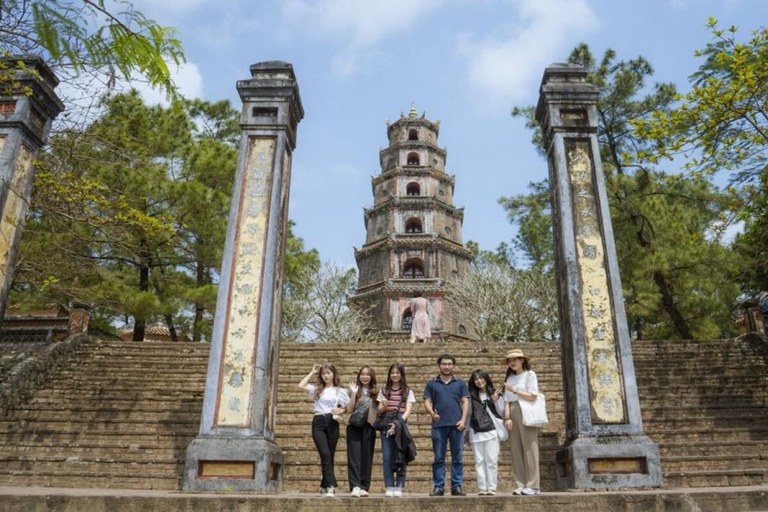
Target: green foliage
<point x="102" y="35"/>
<point x="667" y="228"/>
<point x="722" y="123"/>
<point x="130" y="214"/>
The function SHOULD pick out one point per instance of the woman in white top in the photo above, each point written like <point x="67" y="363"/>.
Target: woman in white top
<point x="521" y="384"/>
<point x="482" y="435"/>
<point x="330" y="402"/>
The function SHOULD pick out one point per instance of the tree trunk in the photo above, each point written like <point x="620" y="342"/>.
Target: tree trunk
<point x="668" y="301"/>
<point x="171" y="328"/>
<point x="197" y="326"/>
<point x="140" y="323"/>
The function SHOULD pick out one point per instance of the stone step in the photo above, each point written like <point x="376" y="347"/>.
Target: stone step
<point x="714" y="462"/>
<point x="126" y="465"/>
<point x="721" y="447"/>
<point x="122" y="437"/>
<point x="79" y="477"/>
<point x="735" y="499"/>
<point x="716" y="478"/>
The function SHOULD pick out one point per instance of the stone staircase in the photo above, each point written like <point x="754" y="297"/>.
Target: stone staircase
<point x="120" y="414"/>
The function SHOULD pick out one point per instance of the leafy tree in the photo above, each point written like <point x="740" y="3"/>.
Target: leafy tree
<point x="103" y="36"/>
<point x="667" y="227"/>
<point x="722" y="124"/>
<point x="203" y="188"/>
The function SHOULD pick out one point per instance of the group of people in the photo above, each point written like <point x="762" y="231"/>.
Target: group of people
<point x="476" y="413"/>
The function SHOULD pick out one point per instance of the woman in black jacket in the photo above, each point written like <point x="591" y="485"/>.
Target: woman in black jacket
<point x="482" y="431"/>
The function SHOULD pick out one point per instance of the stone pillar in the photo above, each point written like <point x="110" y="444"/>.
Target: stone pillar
<point x="236" y="450"/>
<point x="605" y="446"/>
<point x="28" y="105"/>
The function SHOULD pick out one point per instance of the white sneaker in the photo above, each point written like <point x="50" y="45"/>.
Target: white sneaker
<point x="355" y="492"/>
<point x="397" y="493"/>
<point x="363" y="493"/>
<point x="482" y="492"/>
<point x="527" y="491"/>
<point x="518" y="491"/>
<point x="330" y="493"/>
<point x="491" y="492"/>
<point x="323" y="491"/>
<point x="390" y="492"/>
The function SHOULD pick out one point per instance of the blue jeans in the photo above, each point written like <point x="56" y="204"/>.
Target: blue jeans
<point x="388" y="449"/>
<point x="441" y="437"/>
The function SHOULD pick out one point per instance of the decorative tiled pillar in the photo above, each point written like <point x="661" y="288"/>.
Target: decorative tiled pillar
<point x="605" y="445"/>
<point x="236" y="450"/>
<point x="28" y="105"/>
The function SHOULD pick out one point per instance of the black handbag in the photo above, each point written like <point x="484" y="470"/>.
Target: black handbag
<point x="360" y="415"/>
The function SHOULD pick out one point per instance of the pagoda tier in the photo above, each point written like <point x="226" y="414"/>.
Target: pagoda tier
<point x="413" y="238"/>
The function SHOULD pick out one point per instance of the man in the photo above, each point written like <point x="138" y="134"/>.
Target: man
<point x="446" y="400"/>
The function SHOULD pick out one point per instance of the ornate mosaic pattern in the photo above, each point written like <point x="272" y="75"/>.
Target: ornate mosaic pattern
<point x="242" y="316"/>
<point x="607" y="398"/>
<point x="14" y="204"/>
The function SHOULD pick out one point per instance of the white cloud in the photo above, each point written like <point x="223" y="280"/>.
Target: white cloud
<point x="356" y="24"/>
<point x="187" y="78"/>
<point x="509" y="68"/>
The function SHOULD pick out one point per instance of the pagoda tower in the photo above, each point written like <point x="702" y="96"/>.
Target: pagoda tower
<point x="413" y="232"/>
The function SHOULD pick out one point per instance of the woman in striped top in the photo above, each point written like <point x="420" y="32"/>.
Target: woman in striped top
<point x="395" y="402"/>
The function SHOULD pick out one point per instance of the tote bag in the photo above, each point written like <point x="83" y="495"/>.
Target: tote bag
<point x="534" y="412"/>
<point x="501" y="430"/>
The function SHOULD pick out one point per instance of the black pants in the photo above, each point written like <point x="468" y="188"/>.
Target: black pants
<point x="325" y="434"/>
<point x="360" y="444"/>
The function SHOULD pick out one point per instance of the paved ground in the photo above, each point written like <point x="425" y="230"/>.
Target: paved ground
<point x="715" y="499"/>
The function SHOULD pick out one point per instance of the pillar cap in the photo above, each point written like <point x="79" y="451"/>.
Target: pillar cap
<point x="564" y="83"/>
<point x="37" y="72"/>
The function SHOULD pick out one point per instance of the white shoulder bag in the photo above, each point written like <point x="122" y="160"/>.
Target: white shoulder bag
<point x="534" y="411"/>
<point x="501" y="430"/>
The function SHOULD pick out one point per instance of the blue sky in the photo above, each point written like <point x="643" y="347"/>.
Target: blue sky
<point x="464" y="62"/>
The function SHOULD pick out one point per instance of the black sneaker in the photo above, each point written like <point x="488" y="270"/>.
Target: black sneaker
<point x="456" y="491"/>
<point x="437" y="492"/>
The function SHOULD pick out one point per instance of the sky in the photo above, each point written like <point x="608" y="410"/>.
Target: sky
<point x="466" y="63"/>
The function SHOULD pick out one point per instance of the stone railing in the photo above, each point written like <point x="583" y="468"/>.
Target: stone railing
<point x="33" y="367"/>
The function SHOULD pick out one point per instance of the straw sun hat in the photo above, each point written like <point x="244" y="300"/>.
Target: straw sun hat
<point x="513" y="354"/>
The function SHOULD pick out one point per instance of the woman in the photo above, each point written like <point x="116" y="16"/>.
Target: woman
<point x="330" y="402"/>
<point x="361" y="436"/>
<point x="420" y="328"/>
<point x="482" y="431"/>
<point x="521" y="384"/>
<point x="395" y="403"/>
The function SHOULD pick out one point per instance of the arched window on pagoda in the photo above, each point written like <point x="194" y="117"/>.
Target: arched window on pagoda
<point x="413" y="159"/>
<point x="413" y="269"/>
<point x="413" y="189"/>
<point x="407" y="321"/>
<point x="413" y="226"/>
<point x="413" y="134"/>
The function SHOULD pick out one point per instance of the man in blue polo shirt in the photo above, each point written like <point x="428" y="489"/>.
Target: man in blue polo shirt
<point x="446" y="399"/>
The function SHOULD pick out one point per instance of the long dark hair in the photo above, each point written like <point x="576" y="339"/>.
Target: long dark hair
<point x="474" y="391"/>
<point x="510" y="371"/>
<point x="321" y="383"/>
<point x="404" y="389"/>
<point x="373" y="388"/>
